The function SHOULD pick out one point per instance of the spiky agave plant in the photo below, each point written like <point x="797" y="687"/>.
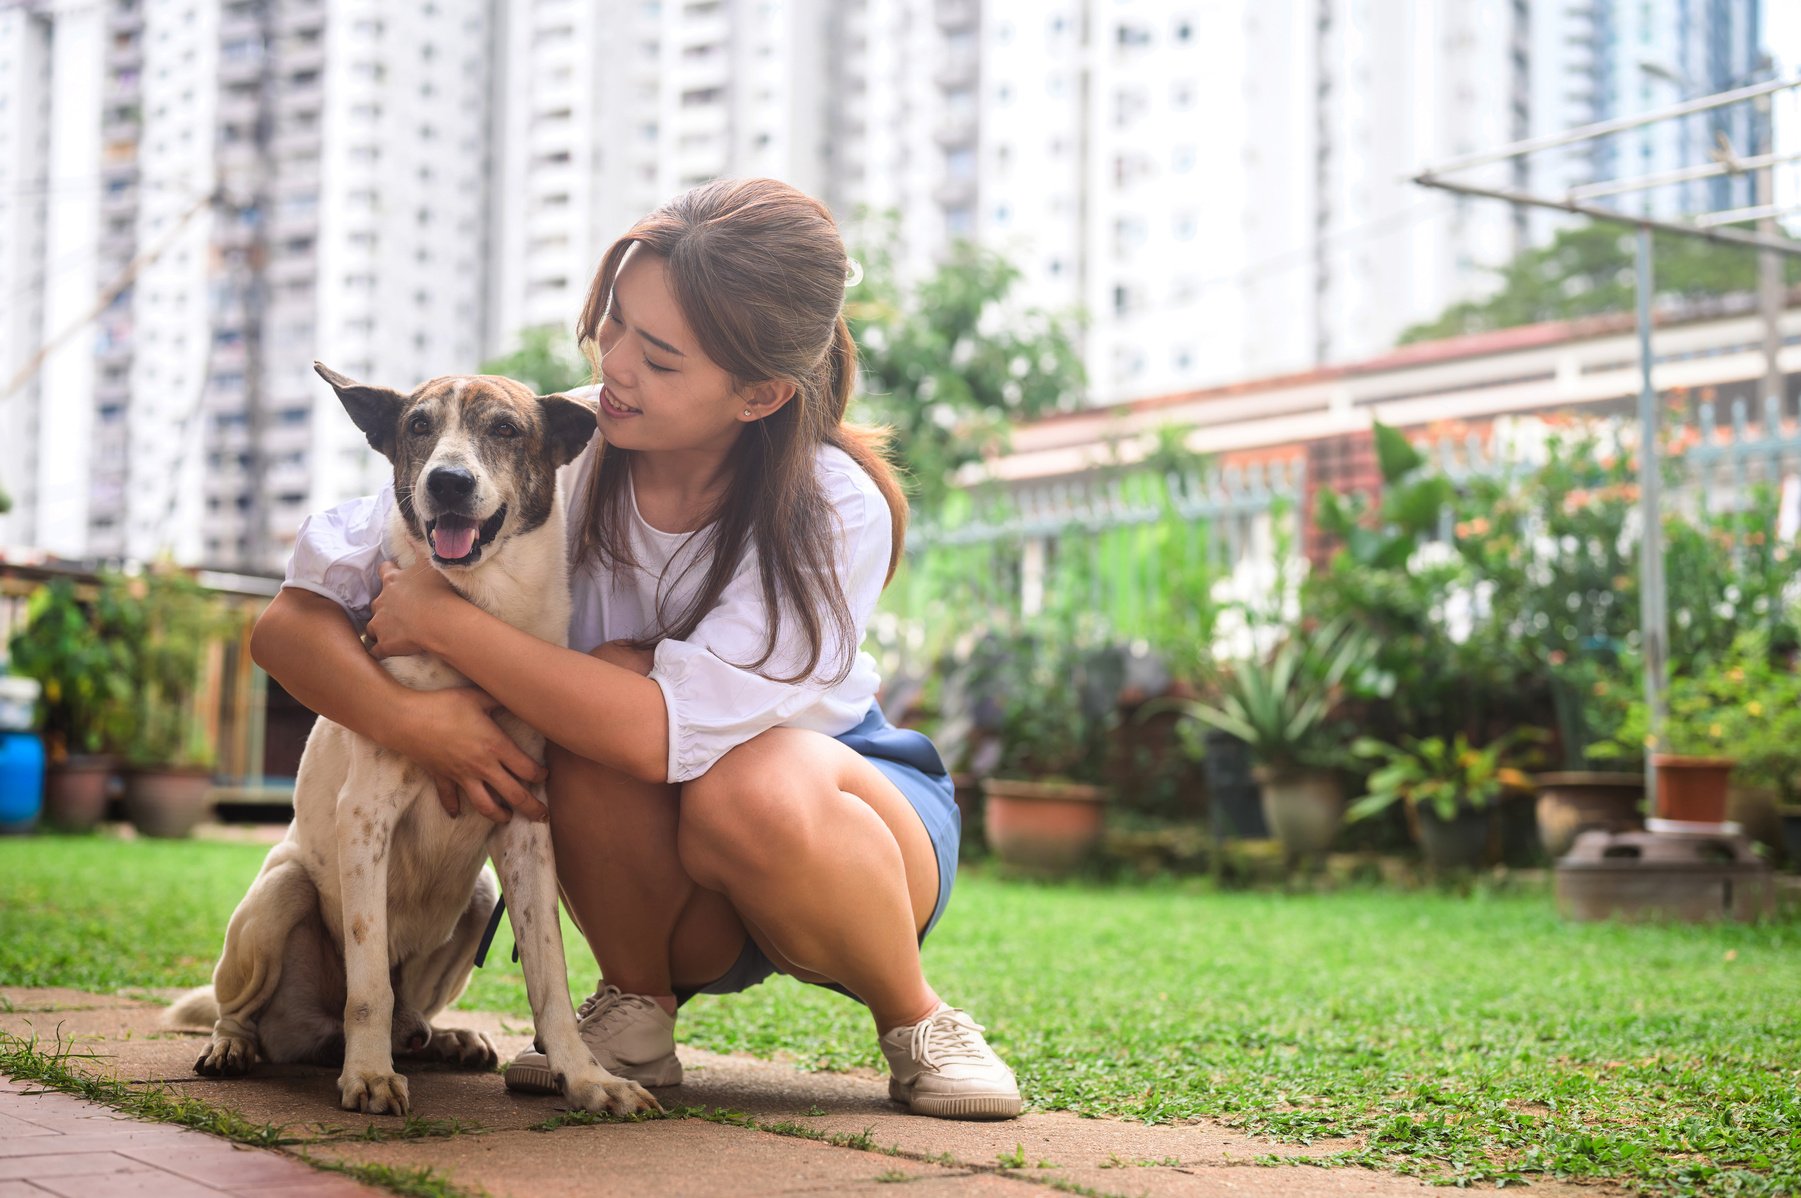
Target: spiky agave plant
<point x="1282" y="705"/>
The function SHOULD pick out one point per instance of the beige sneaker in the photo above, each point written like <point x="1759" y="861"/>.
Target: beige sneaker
<point x="943" y="1067"/>
<point x="629" y="1035"/>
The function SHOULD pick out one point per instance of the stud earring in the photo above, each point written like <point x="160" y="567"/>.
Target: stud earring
<point x="747" y="411"/>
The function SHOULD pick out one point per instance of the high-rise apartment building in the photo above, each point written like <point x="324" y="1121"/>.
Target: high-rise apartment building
<point x="280" y="180"/>
<point x="50" y="208"/>
<point x="615" y="105"/>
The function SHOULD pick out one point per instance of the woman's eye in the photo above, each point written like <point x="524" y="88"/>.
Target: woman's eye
<point x="506" y="429"/>
<point x="418" y="426"/>
<point x="658" y="369"/>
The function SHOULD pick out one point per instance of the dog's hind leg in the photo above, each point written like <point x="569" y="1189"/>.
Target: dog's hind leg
<point x="250" y="968"/>
<point x="432" y="981"/>
<point x="376" y="792"/>
<point x="528" y="872"/>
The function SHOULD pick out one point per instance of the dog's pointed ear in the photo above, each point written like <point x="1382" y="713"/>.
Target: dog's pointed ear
<point x="569" y="426"/>
<point x="376" y="410"/>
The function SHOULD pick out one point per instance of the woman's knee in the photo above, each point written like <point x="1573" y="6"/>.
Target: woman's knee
<point x="743" y="815"/>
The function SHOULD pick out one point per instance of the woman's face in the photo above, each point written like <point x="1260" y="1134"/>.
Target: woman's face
<point x="660" y="391"/>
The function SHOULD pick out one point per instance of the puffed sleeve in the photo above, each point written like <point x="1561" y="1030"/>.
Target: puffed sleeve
<point x="338" y="553"/>
<point x="715" y="702"/>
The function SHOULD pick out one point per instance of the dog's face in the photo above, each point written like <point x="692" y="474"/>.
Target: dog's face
<point x="475" y="456"/>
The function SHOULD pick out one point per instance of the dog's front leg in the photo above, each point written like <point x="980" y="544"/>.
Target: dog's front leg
<point x="528" y="876"/>
<point x="369" y="806"/>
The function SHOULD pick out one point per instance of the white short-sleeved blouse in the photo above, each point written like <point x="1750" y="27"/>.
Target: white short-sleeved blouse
<point x="715" y="703"/>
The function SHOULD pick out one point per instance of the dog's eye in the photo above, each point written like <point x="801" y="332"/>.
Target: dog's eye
<point x="506" y="428"/>
<point x="418" y="426"/>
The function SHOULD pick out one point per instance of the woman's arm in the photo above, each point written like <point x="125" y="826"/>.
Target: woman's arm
<point x="597" y="707"/>
<point x="307" y="643"/>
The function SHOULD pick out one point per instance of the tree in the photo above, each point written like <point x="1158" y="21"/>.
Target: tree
<point x="1588" y="270"/>
<point x="951" y="362"/>
<point x="546" y="361"/>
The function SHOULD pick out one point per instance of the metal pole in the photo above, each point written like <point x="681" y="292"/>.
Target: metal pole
<point x="1653" y="619"/>
<point x="1771" y="294"/>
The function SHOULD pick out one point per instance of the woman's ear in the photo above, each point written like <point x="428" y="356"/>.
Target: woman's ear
<point x="762" y="400"/>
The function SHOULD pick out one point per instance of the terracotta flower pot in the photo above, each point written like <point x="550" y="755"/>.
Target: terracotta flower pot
<point x="1692" y="789"/>
<point x="75" y="793"/>
<point x="167" y="801"/>
<point x="1302" y="807"/>
<point x="1583" y="800"/>
<point x="1043" y="827"/>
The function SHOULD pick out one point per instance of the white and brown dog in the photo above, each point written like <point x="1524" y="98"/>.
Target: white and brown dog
<point x="364" y="921"/>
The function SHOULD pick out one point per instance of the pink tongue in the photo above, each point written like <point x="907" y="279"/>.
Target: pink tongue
<point x="452" y="541"/>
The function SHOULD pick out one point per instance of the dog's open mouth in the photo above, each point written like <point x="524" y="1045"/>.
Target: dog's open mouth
<point x="457" y="540"/>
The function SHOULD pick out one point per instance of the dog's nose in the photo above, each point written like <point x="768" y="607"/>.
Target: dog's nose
<point x="449" y="483"/>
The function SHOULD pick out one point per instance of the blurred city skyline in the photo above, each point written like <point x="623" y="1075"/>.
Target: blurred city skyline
<point x="1222" y="190"/>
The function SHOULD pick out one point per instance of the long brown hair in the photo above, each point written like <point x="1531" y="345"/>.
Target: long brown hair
<point x="758" y="269"/>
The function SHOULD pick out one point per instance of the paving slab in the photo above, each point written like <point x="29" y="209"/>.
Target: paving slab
<point x="838" y="1133"/>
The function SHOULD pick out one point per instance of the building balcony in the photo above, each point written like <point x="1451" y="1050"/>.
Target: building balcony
<point x="298" y="16"/>
<point x="299" y="56"/>
<point x="955" y="15"/>
<point x="118" y="248"/>
<point x="126" y="57"/>
<point x="239" y="27"/>
<point x="240" y="69"/>
<point x="125" y="20"/>
<point x="116" y="204"/>
<point x="239" y="107"/>
<point x="290" y="269"/>
<point x="955" y="193"/>
<point x="957" y="70"/>
<point x="955" y="129"/>
<point x="116" y="128"/>
<point x="297" y="143"/>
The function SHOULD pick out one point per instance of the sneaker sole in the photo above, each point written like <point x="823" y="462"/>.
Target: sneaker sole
<point x="956" y="1106"/>
<point x="538" y="1079"/>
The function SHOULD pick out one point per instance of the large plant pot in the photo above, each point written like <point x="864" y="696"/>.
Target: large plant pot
<point x="1304" y="808"/>
<point x="1042" y="827"/>
<point x="1460" y="842"/>
<point x="1517" y="826"/>
<point x="1586" y="800"/>
<point x="21" y="780"/>
<point x="75" y="793"/>
<point x="167" y="801"/>
<point x="1692" y="789"/>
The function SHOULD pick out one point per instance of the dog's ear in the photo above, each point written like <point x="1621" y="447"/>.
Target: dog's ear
<point x="376" y="410"/>
<point x="569" y="425"/>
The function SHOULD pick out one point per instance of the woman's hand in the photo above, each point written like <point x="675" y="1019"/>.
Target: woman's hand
<point x="452" y="735"/>
<point x="403" y="613"/>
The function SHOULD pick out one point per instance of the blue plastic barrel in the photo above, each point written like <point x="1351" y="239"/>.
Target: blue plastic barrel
<point x="21" y="781"/>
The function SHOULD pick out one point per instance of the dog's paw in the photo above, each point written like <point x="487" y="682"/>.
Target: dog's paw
<point x="226" y="1056"/>
<point x="604" y="1094"/>
<point x="462" y="1047"/>
<point x="372" y="1092"/>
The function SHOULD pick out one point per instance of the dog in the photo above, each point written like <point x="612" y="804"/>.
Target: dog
<point x="364" y="921"/>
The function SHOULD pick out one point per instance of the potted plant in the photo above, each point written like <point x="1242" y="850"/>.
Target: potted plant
<point x="1451" y="789"/>
<point x="79" y="656"/>
<point x="173" y="625"/>
<point x="1044" y="805"/>
<point x="1283" y="706"/>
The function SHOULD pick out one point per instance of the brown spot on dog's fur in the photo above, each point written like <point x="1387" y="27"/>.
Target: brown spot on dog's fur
<point x="359" y="929"/>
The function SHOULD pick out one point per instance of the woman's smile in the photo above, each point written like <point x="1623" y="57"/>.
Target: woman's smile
<point x="609" y="406"/>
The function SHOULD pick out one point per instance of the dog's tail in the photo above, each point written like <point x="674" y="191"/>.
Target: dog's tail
<point x="197" y="1008"/>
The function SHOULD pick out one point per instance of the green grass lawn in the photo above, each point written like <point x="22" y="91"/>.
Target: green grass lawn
<point x="1468" y="1037"/>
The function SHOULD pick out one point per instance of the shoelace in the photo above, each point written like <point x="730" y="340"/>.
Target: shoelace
<point x="609" y="1003"/>
<point x="947" y="1038"/>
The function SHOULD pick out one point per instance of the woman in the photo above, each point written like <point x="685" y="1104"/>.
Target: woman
<point x="725" y="797"/>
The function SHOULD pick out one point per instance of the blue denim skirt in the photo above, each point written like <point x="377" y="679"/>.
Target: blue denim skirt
<point x="910" y="761"/>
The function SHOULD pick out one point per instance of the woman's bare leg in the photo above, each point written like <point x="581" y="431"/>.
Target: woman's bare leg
<point x="824" y="861"/>
<point x="650" y="927"/>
